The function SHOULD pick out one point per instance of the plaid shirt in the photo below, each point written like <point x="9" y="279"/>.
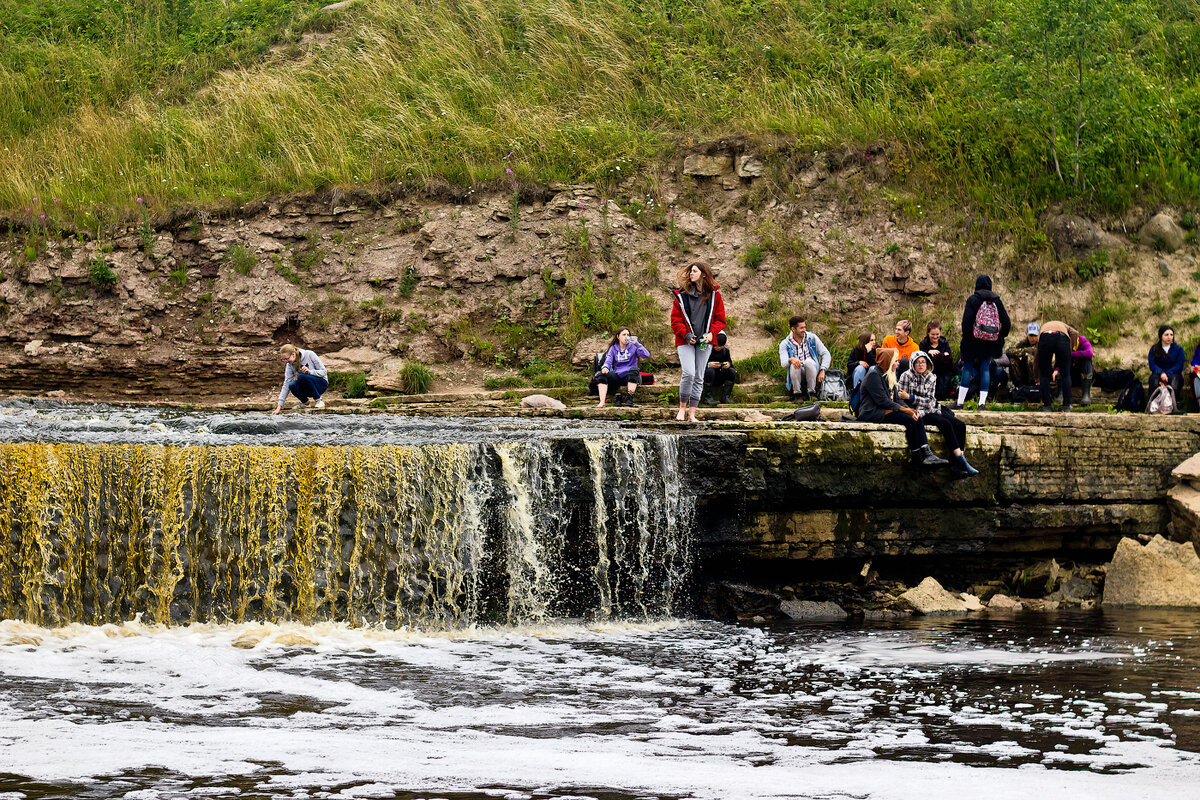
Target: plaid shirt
<point x="922" y="391"/>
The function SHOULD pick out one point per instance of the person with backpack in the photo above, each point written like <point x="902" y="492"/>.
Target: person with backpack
<point x="1167" y="361"/>
<point x="697" y="316"/>
<point x="920" y="386"/>
<point x="985" y="326"/>
<point x="1055" y="344"/>
<point x="620" y="368"/>
<point x="879" y="401"/>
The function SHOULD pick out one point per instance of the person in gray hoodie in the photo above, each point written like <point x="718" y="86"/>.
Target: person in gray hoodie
<point x="918" y="387"/>
<point x="304" y="376"/>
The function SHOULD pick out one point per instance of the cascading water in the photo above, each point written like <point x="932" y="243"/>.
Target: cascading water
<point x="426" y="534"/>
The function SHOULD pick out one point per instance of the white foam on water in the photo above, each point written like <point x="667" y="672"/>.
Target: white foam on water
<point x="650" y="709"/>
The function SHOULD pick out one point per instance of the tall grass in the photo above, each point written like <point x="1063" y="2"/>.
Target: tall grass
<point x="104" y="101"/>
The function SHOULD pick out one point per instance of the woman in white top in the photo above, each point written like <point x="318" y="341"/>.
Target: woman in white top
<point x="304" y="376"/>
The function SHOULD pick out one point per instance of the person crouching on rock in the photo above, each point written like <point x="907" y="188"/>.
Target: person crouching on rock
<point x="920" y="384"/>
<point x="879" y="402"/>
<point x="620" y="368"/>
<point x="304" y="376"/>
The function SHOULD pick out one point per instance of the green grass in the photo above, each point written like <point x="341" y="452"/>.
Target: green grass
<point x="505" y="382"/>
<point x="184" y="101"/>
<point x="350" y="384"/>
<point x="415" y="378"/>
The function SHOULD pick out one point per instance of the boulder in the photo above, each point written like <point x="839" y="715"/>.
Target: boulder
<point x="749" y="167"/>
<point x="1075" y="590"/>
<point x="692" y="224"/>
<point x="1163" y="573"/>
<point x="730" y="601"/>
<point x="1002" y="602"/>
<point x="928" y="597"/>
<point x="1038" y="580"/>
<point x="1072" y="236"/>
<point x="812" y="609"/>
<point x="1162" y="233"/>
<point x="707" y="166"/>
<point x="542" y="401"/>
<point x="971" y="601"/>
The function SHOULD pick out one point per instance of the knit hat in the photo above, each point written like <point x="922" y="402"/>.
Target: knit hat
<point x="722" y="338"/>
<point x="1033" y="329"/>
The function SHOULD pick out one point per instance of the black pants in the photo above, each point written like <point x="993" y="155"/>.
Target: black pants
<point x="914" y="431"/>
<point x="1057" y="347"/>
<point x="719" y="377"/>
<point x="617" y="382"/>
<point x="951" y="427"/>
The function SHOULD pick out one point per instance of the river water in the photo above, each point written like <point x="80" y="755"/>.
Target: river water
<point x="1103" y="703"/>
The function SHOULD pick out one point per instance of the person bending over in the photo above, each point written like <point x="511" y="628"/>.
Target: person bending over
<point x="880" y="402"/>
<point x="304" y="376"/>
<point x="920" y="384"/>
<point x="805" y="358"/>
<point x="1055" y="343"/>
<point x="621" y="368"/>
<point x="720" y="372"/>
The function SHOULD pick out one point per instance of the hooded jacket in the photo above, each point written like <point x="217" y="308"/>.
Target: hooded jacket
<point x="875" y="400"/>
<point x="977" y="349"/>
<point x="922" y="389"/>
<point x="681" y="326"/>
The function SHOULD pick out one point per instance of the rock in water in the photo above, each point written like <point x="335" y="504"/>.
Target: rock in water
<point x="541" y="401"/>
<point x="928" y="597"/>
<point x="811" y="609"/>
<point x="1162" y="573"/>
<point x="1002" y="602"/>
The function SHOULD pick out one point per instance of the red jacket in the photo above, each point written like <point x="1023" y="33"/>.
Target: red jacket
<point x="679" y="321"/>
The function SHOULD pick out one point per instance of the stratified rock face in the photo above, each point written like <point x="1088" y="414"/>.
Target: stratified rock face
<point x="1162" y="573"/>
<point x="928" y="597"/>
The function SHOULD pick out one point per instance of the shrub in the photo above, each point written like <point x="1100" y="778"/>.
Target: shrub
<point x="415" y="378"/>
<point x="754" y="256"/>
<point x="100" y="274"/>
<point x="240" y="259"/>
<point x="505" y="382"/>
<point x="351" y="384"/>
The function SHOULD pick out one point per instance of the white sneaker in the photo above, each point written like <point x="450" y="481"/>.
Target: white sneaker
<point x="301" y="405"/>
<point x="320" y="404"/>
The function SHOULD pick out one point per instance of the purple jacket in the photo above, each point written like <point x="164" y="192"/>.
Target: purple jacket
<point x="1085" y="348"/>
<point x="622" y="363"/>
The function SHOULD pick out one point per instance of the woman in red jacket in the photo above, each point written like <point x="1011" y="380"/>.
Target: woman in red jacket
<point x="697" y="316"/>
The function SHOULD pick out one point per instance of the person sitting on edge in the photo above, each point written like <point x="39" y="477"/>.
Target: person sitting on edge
<point x="805" y="358"/>
<point x="937" y="347"/>
<point x="902" y="342"/>
<point x="720" y="371"/>
<point x="304" y="376"/>
<point x="1195" y="374"/>
<point x="1167" y="360"/>
<point x="862" y="358"/>
<point x="920" y="384"/>
<point x="879" y="402"/>
<point x="621" y="369"/>
<point x="1021" y="369"/>
<point x="1082" y="369"/>
<point x="1055" y="343"/>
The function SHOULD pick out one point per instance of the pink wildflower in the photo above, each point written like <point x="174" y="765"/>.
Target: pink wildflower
<point x="139" y="199"/>
<point x="508" y="170"/>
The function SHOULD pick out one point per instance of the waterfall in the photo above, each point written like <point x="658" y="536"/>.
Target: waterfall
<point x="429" y="535"/>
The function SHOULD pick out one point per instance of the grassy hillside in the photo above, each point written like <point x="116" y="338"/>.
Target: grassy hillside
<point x="1003" y="105"/>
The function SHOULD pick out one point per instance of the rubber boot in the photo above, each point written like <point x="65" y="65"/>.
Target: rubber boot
<point x="726" y="393"/>
<point x="960" y="467"/>
<point x="706" y="399"/>
<point x="1085" y="386"/>
<point x="924" y="457"/>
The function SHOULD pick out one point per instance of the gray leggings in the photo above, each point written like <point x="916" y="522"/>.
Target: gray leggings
<point x="693" y="358"/>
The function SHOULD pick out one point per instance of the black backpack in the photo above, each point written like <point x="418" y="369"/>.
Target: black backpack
<point x="1132" y="397"/>
<point x="1113" y="380"/>
<point x="1027" y="394"/>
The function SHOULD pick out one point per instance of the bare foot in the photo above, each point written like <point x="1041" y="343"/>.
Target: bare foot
<point x="692" y="418"/>
<point x="599" y="405"/>
<point x="680" y="416"/>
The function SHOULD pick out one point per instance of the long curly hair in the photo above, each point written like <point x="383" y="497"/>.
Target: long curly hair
<point x="708" y="282"/>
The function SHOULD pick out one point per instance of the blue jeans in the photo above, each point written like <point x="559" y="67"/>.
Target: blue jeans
<point x="983" y="369"/>
<point x="860" y="372"/>
<point x="308" y="387"/>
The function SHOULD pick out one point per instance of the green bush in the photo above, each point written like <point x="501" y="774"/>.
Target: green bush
<point x="100" y="274"/>
<point x="351" y="384"/>
<point x="241" y="259"/>
<point x="753" y="257"/>
<point x="504" y="382"/>
<point x="415" y="378"/>
<point x="604" y="312"/>
<point x="556" y="379"/>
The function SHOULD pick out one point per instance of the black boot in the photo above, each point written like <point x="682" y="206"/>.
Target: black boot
<point x="726" y="393"/>
<point x="960" y="468"/>
<point x="924" y="457"/>
<point x="706" y="399"/>
<point x="1085" y="384"/>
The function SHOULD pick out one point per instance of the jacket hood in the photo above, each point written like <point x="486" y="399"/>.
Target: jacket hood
<point x="983" y="282"/>
<point x="987" y="294"/>
<point x="912" y="362"/>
